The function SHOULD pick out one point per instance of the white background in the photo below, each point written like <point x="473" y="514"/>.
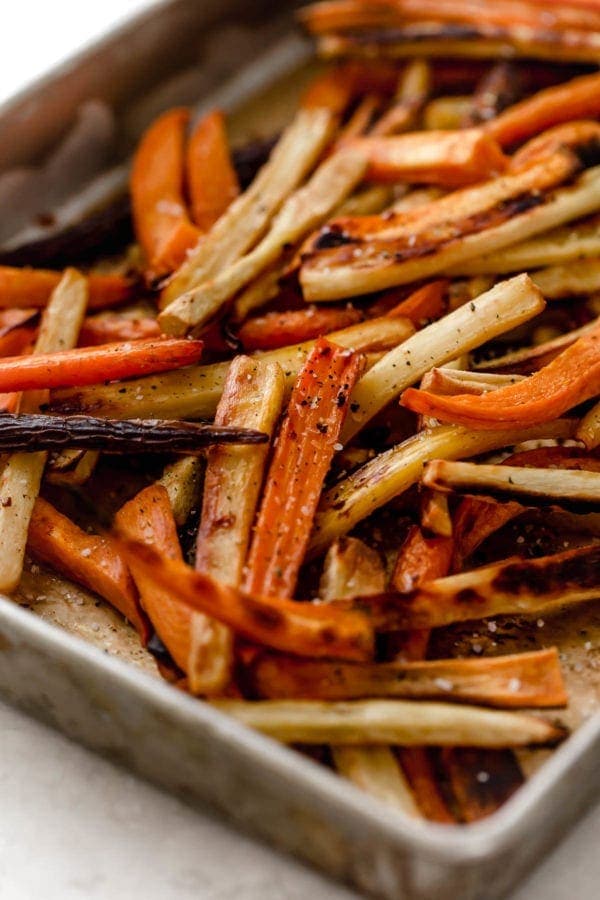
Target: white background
<point x="71" y="825"/>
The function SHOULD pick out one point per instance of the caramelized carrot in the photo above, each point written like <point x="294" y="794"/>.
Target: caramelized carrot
<point x="88" y="559"/>
<point x="302" y="457"/>
<point x="577" y="99"/>
<point x="303" y="629"/>
<point x="447" y="158"/>
<point x="27" y="287"/>
<point x="418" y="767"/>
<point x="424" y="304"/>
<point x="280" y="329"/>
<point x="211" y="177"/>
<point x="111" y="362"/>
<point x="421" y="559"/>
<point x="475" y="519"/>
<point x="568" y="380"/>
<point x="161" y="221"/>
<point x="107" y="329"/>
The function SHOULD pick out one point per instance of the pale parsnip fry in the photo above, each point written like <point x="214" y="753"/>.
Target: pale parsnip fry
<point x="393" y="472"/>
<point x="456" y="381"/>
<point x="246" y="219"/>
<point x="435" y="514"/>
<point x="414" y="88"/>
<point x="375" y="266"/>
<point x="72" y="467"/>
<point x="368" y="201"/>
<point x="376" y="771"/>
<point x="305" y="210"/>
<point x="253" y="393"/>
<point x="390" y="722"/>
<point x="182" y="480"/>
<point x="510" y="587"/>
<point x="351" y="569"/>
<point x="556" y="247"/>
<point x="504" y="307"/>
<point x="22" y="474"/>
<point x="589" y="428"/>
<point x="414" y="198"/>
<point x="555" y="484"/>
<point x="195" y="392"/>
<point x="518" y="680"/>
<point x="572" y="279"/>
<point x="259" y="291"/>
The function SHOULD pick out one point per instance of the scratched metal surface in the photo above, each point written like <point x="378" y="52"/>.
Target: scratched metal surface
<point x="88" y="677"/>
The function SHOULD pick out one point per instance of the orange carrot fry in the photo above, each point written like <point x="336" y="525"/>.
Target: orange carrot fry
<point x="577" y="99"/>
<point x="424" y="304"/>
<point x="17" y="340"/>
<point x="88" y="559"/>
<point x="421" y="559"/>
<point x="96" y="364"/>
<point x="25" y="288"/>
<point x="475" y="519"/>
<point x="447" y="158"/>
<point x="303" y="629"/>
<point x="191" y="638"/>
<point x="212" y="179"/>
<point x="161" y="221"/>
<point x="570" y="379"/>
<point x="107" y="329"/>
<point x="280" y="329"/>
<point x="335" y="88"/>
<point x="302" y="457"/>
<point x="418" y="767"/>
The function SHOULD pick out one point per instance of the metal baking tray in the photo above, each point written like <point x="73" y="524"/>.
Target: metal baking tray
<point x="183" y="52"/>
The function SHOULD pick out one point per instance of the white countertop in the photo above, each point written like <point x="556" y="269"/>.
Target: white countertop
<point x="73" y="826"/>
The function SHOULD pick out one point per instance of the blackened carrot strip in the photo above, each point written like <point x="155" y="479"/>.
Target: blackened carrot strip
<point x="280" y="329"/>
<point x="570" y="379"/>
<point x="160" y="217"/>
<point x="577" y="99"/>
<point x="303" y="629"/>
<point x="111" y="362"/>
<point x="303" y="453"/>
<point x="107" y="329"/>
<point x="88" y="559"/>
<point x="211" y="177"/>
<point x="32" y="288"/>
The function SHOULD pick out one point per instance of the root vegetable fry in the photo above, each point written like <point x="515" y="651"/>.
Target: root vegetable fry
<point x="303" y="629"/>
<point x="104" y="329"/>
<point x="530" y="359"/>
<point x="160" y="216"/>
<point x="303" y="454"/>
<point x="280" y="329"/>
<point x="418" y="768"/>
<point x="252" y="398"/>
<point x="421" y="559"/>
<point x="351" y="568"/>
<point x="201" y="647"/>
<point x="509" y="587"/>
<point x="503" y="307"/>
<point x="390" y="722"/>
<point x="394" y="471"/>
<point x="246" y="219"/>
<point x="570" y="379"/>
<point x="477" y="796"/>
<point x="475" y="519"/>
<point x="87" y="559"/>
<point x="589" y="428"/>
<point x="20" y="479"/>
<point x="425" y="303"/>
<point x="376" y="771"/>
<point x="182" y="480"/>
<point x="195" y="392"/>
<point x="446" y="158"/>
<point x="576" y="99"/>
<point x="110" y="362"/>
<point x="518" y="680"/>
<point x="211" y="177"/>
<point x="32" y="288"/>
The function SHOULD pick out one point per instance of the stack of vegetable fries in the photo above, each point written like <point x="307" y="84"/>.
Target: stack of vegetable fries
<point x="328" y="439"/>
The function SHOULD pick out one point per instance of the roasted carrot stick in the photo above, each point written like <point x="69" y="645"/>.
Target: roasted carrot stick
<point x="423" y="305"/>
<point x="107" y="329"/>
<point x="280" y="329"/>
<point x="421" y="559"/>
<point x="303" y="453"/>
<point x="303" y="629"/>
<point x="161" y="221"/>
<point x="447" y="158"/>
<point x="192" y="639"/>
<point x="212" y="180"/>
<point x="88" y="559"/>
<point x="577" y="99"/>
<point x="568" y="380"/>
<point x="97" y="364"/>
<point x="27" y="288"/>
<point x="475" y="519"/>
<point x="17" y="340"/>
<point x="417" y="764"/>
